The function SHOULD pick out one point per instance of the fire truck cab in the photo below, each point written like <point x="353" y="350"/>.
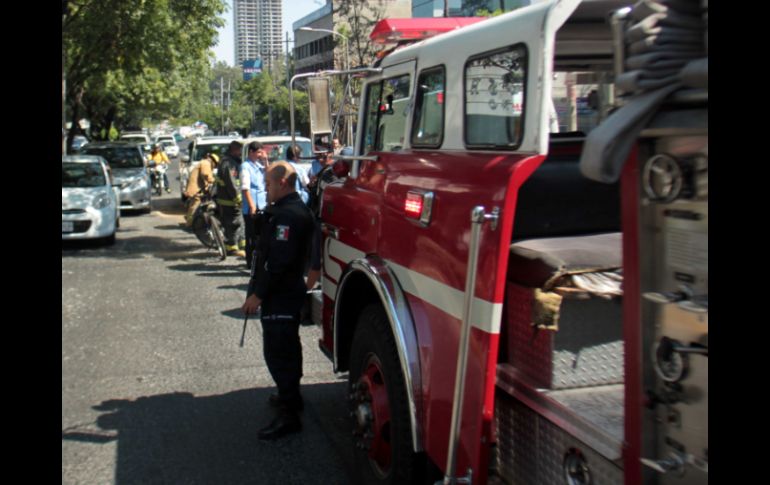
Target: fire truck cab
<point x="518" y="292"/>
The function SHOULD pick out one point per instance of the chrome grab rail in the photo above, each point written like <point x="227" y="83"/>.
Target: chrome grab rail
<point x="353" y="158"/>
<point x="478" y="217"/>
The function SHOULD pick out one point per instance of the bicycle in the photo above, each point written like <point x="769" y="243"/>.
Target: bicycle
<point x="207" y="228"/>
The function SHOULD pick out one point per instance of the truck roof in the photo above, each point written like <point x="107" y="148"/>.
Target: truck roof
<point x="587" y="32"/>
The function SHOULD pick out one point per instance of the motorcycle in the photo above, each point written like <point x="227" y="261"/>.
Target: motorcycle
<point x="157" y="174"/>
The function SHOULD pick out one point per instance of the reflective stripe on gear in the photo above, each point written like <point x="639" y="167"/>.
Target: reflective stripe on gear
<point x="227" y="203"/>
<point x="231" y="247"/>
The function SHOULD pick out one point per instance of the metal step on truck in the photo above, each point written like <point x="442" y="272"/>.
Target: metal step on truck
<point x="515" y="256"/>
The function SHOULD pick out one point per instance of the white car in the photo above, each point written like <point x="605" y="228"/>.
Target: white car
<point x="169" y="146"/>
<point x="89" y="201"/>
<point x="140" y="137"/>
<point x="199" y="149"/>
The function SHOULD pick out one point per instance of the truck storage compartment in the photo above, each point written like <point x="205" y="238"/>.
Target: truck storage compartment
<point x="564" y="316"/>
<point x="537" y="437"/>
<point x="560" y="374"/>
<point x="563" y="311"/>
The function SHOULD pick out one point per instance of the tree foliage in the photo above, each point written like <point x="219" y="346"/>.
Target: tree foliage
<point x="127" y="60"/>
<point x="357" y="18"/>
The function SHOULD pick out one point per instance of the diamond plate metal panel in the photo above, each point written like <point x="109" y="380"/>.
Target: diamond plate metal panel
<point x="588" y="348"/>
<point x="517" y="433"/>
<point x="531" y="449"/>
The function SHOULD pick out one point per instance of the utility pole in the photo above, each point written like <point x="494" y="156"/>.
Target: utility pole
<point x="288" y="74"/>
<point x="229" y="102"/>
<point x="222" y="103"/>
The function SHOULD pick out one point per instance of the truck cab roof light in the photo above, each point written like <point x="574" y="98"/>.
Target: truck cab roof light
<point x="391" y="31"/>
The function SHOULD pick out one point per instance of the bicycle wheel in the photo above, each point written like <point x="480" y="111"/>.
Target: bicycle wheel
<point x="201" y="229"/>
<point x="219" y="237"/>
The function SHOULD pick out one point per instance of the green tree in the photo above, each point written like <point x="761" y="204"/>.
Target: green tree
<point x="268" y="99"/>
<point x="129" y="60"/>
<point x="358" y="18"/>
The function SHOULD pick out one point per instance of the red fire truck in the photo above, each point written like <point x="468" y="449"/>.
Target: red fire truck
<point x="515" y="304"/>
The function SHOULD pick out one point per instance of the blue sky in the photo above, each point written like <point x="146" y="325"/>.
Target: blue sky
<point x="293" y="10"/>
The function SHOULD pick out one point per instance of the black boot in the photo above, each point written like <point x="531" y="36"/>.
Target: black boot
<point x="285" y="423"/>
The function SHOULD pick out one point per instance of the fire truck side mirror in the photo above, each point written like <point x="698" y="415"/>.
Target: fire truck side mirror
<point x="320" y="107"/>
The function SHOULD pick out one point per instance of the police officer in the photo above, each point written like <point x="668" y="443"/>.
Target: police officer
<point x="253" y="171"/>
<point x="278" y="286"/>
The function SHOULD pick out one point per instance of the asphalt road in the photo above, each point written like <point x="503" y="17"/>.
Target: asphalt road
<point x="155" y="388"/>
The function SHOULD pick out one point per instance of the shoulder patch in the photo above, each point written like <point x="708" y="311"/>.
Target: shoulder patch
<point x="282" y="233"/>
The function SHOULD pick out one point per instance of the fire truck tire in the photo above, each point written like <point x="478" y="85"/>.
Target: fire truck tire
<point x="378" y="403"/>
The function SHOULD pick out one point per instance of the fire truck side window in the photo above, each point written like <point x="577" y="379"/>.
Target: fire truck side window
<point x="428" y="124"/>
<point x="494" y="98"/>
<point x="387" y="104"/>
<point x="372" y="113"/>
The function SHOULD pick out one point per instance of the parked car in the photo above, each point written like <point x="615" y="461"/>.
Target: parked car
<point x="198" y="149"/>
<point x="178" y="138"/>
<point x="89" y="202"/>
<point x="170" y="147"/>
<point x="276" y="150"/>
<point x="78" y="142"/>
<point x="137" y="137"/>
<point x="129" y="169"/>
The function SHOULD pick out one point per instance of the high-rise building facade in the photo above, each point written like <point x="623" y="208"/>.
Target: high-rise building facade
<point x="257" y="32"/>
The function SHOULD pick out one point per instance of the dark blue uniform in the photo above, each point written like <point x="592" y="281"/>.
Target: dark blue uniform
<point x="289" y="233"/>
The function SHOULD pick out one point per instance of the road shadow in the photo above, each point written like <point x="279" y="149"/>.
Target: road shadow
<point x="173" y="227"/>
<point x="170" y="204"/>
<point x="215" y="268"/>
<point x="129" y="247"/>
<point x="242" y="287"/>
<point x="182" y="438"/>
<point x="237" y="314"/>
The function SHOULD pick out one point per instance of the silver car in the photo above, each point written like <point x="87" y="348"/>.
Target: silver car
<point x="129" y="169"/>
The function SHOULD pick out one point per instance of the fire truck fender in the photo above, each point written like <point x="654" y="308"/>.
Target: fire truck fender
<point x="394" y="304"/>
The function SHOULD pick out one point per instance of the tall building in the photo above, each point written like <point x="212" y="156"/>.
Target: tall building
<point x="257" y="29"/>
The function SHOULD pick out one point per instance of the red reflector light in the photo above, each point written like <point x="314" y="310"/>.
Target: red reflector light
<point x="440" y="98"/>
<point x="413" y="205"/>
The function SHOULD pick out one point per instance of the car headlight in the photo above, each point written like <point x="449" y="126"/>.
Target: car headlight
<point x="101" y="201"/>
<point x="139" y="183"/>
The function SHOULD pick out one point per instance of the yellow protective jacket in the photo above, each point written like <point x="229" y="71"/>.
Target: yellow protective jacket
<point x="201" y="177"/>
<point x="160" y="157"/>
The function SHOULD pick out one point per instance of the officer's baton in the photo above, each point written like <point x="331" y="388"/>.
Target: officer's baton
<point x="245" y="321"/>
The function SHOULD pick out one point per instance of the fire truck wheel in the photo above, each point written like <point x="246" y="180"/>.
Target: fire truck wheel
<point x="378" y="404"/>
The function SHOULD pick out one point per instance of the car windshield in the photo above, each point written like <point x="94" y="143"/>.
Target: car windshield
<point x="82" y="175"/>
<point x="277" y="151"/>
<point x="118" y="157"/>
<point x="218" y="148"/>
<point x="167" y="143"/>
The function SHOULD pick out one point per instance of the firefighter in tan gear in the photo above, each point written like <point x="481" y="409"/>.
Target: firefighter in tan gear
<point x="200" y="181"/>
